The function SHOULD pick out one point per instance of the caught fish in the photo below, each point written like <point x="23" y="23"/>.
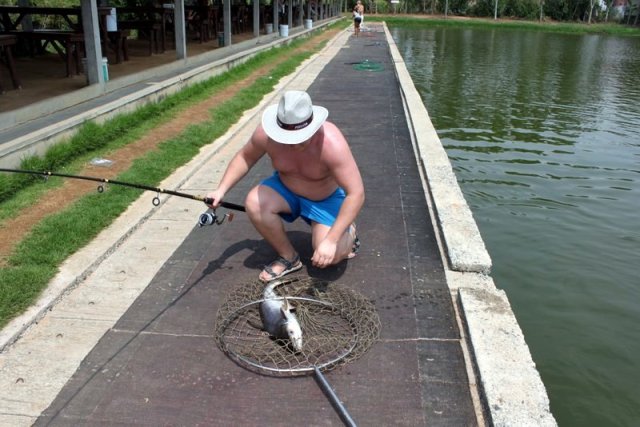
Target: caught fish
<point x="278" y="319"/>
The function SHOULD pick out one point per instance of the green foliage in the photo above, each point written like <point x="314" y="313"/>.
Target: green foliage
<point x="556" y="10"/>
<point x="567" y="10"/>
<point x="19" y="286"/>
<point x="485" y="8"/>
<point x="458" y="7"/>
<point x="382" y="6"/>
<point x="527" y="9"/>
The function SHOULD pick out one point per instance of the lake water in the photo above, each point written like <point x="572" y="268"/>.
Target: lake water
<point x="543" y="131"/>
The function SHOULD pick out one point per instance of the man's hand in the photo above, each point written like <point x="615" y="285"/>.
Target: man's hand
<point x="215" y="197"/>
<point x="324" y="254"/>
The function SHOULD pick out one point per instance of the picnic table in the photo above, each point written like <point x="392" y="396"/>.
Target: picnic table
<point x="68" y="44"/>
<point x="11" y="17"/>
<point x="67" y="41"/>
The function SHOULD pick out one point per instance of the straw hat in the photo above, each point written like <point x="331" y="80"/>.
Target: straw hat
<point x="294" y="119"/>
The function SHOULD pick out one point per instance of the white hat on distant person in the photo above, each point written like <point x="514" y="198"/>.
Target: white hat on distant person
<point x="294" y="119"/>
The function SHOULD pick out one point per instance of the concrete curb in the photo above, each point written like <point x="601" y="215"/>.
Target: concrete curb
<point x="510" y="388"/>
<point x="464" y="246"/>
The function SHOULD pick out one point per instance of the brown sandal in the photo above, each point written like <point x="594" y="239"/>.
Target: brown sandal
<point x="289" y="267"/>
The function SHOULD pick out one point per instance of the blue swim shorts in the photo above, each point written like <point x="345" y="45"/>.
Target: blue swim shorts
<point x="321" y="211"/>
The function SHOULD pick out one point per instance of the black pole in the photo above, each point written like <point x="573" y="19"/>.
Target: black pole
<point x="335" y="402"/>
<point x="126" y="184"/>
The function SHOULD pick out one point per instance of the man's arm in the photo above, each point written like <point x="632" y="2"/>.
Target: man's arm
<point x="345" y="171"/>
<point x="241" y="163"/>
<point x="351" y="205"/>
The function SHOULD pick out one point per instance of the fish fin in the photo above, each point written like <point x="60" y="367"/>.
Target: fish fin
<point x="285" y="307"/>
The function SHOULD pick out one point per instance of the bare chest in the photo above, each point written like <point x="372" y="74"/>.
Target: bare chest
<point x="301" y="163"/>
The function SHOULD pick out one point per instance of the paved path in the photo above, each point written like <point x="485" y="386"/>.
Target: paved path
<point x="141" y="323"/>
<point x="159" y="363"/>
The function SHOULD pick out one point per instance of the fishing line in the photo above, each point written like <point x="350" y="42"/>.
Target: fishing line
<point x="207" y="218"/>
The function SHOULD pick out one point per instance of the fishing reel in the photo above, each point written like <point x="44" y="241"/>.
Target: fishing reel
<point x="210" y="217"/>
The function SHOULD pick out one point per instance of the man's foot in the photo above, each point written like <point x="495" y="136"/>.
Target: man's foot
<point x="356" y="242"/>
<point x="279" y="268"/>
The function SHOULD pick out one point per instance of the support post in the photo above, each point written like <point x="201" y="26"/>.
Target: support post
<point x="92" y="45"/>
<point x="226" y="21"/>
<point x="256" y="18"/>
<point x="180" y="27"/>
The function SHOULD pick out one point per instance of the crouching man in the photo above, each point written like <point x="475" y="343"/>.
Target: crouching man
<point x="315" y="177"/>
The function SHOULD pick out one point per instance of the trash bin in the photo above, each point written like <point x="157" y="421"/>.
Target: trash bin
<point x="308" y="24"/>
<point x="105" y="69"/>
<point x="284" y="31"/>
<point x="220" y="38"/>
<point x="268" y="28"/>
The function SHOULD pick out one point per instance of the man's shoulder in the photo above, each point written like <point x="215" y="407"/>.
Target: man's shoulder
<point x="259" y="136"/>
<point x="332" y="131"/>
<point x="333" y="136"/>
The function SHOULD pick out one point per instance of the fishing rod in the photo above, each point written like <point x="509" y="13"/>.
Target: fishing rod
<point x="207" y="218"/>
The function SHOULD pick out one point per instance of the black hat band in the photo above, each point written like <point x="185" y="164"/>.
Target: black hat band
<point x="295" y="126"/>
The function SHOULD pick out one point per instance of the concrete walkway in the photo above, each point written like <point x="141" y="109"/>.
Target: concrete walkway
<point x="130" y="338"/>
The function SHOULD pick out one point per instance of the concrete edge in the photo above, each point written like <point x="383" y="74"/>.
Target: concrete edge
<point x="509" y="387"/>
<point x="12" y="152"/>
<point x="80" y="265"/>
<point x="464" y="246"/>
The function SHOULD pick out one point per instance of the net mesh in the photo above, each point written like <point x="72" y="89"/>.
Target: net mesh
<point x="338" y="326"/>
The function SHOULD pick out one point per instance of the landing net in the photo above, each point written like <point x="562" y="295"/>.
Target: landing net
<point x="338" y="326"/>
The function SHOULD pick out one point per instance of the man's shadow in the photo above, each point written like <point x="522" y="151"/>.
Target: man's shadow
<point x="261" y="254"/>
<point x="301" y="240"/>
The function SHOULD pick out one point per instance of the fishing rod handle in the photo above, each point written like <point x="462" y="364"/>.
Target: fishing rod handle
<point x="209" y="200"/>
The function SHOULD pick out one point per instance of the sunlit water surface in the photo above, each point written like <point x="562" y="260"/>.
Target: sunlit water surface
<point x="543" y="131"/>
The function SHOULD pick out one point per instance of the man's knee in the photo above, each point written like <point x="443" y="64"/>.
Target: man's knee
<point x="252" y="202"/>
<point x="263" y="200"/>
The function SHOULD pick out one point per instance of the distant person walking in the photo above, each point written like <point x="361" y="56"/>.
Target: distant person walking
<point x="361" y="12"/>
<point x="358" y="16"/>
